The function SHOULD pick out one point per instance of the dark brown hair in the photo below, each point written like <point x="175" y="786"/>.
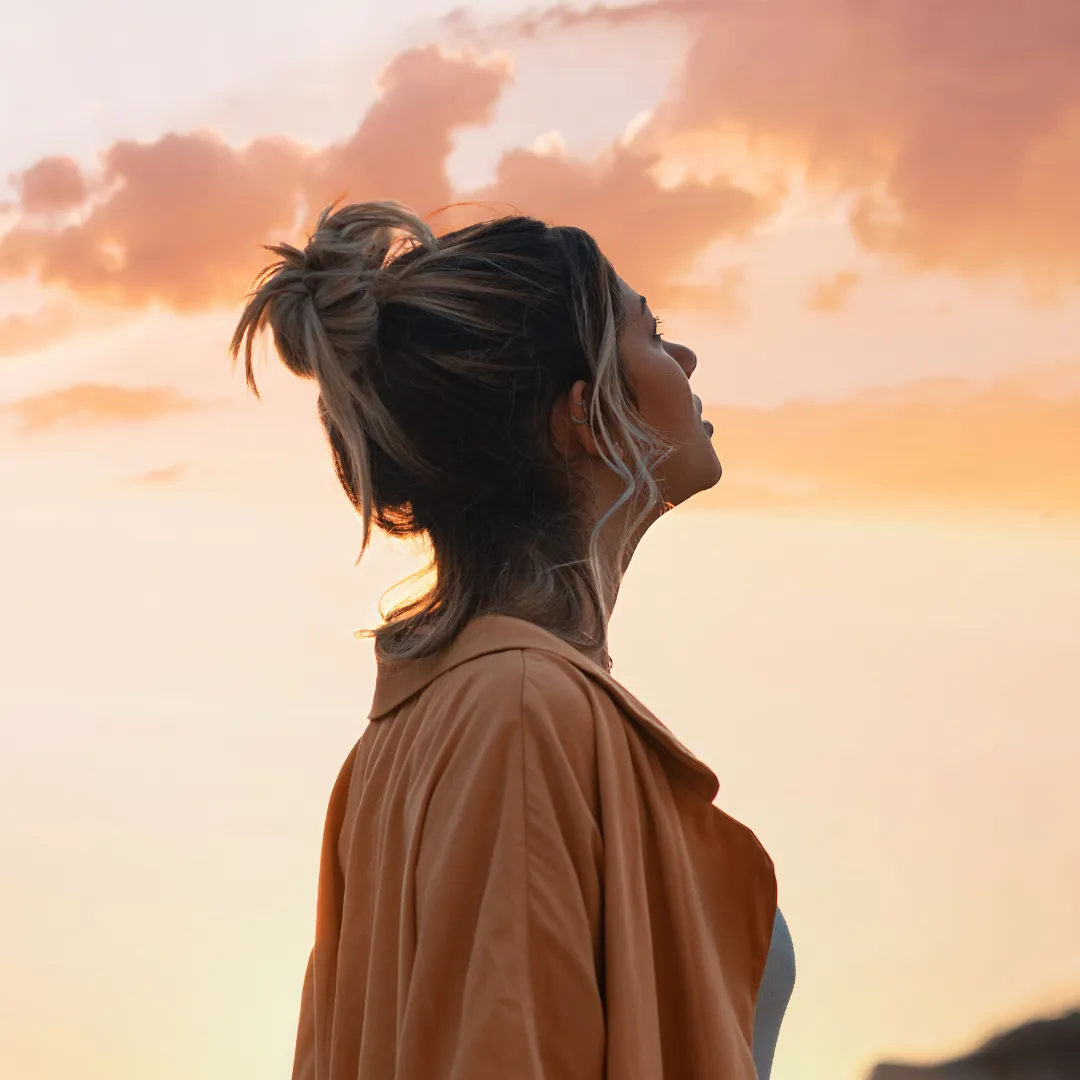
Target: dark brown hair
<point x="438" y="361"/>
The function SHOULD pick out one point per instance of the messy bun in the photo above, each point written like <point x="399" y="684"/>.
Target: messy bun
<point x="438" y="361"/>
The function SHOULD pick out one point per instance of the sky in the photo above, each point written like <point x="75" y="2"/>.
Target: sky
<point x="864" y="218"/>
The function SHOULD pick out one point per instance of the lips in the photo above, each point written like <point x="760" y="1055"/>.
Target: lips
<point x="704" y="423"/>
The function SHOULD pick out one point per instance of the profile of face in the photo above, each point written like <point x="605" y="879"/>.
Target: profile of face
<point x="659" y="372"/>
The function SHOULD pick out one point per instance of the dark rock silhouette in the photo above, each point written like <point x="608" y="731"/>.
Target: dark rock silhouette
<point x="1046" y="1049"/>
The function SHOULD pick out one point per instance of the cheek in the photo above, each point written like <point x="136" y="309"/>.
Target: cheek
<point x="663" y="392"/>
<point x="677" y="412"/>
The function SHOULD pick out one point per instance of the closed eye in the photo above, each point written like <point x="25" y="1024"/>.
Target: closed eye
<point x="657" y="323"/>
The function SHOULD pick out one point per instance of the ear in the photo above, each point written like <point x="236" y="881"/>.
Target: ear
<point x="574" y="437"/>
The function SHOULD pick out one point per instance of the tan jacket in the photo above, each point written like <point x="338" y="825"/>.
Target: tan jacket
<point x="523" y="877"/>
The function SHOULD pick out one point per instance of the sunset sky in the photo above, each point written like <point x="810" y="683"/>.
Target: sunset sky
<point x="864" y="218"/>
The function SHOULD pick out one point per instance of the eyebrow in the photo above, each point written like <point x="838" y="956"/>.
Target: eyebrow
<point x="643" y="302"/>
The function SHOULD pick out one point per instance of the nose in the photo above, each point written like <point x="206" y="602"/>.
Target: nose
<point x="685" y="356"/>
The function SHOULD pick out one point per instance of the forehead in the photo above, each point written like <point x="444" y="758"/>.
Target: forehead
<point x="631" y="300"/>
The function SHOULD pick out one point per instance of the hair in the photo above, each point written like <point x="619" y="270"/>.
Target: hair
<point x="438" y="361"/>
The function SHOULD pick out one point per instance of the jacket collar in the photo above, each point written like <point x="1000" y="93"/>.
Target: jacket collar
<point x="397" y="681"/>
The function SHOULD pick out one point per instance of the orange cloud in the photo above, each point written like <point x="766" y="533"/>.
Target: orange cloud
<point x="21" y="334"/>
<point x="955" y="127"/>
<point x="95" y="405"/>
<point x="941" y="443"/>
<point x="832" y="294"/>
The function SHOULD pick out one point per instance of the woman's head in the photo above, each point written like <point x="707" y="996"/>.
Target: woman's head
<point x="448" y="371"/>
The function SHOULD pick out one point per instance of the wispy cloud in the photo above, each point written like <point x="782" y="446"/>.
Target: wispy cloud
<point x="97" y="405"/>
<point x="941" y="443"/>
<point x="53" y="322"/>
<point x="558" y="18"/>
<point x="832" y="294"/>
<point x="23" y="333"/>
<point x="163" y="477"/>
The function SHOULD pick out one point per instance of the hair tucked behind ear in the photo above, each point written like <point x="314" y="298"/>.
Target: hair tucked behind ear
<point x="438" y="361"/>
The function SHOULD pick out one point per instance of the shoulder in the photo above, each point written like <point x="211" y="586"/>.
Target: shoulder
<point x="523" y="693"/>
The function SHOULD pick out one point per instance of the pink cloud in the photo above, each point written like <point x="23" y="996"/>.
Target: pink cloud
<point x="179" y="221"/>
<point x="178" y="226"/>
<point x="955" y="126"/>
<point x="52" y="185"/>
<point x="400" y="148"/>
<point x="652" y="234"/>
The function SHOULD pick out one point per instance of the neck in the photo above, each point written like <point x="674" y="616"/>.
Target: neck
<point x="598" y="656"/>
<point x="614" y="565"/>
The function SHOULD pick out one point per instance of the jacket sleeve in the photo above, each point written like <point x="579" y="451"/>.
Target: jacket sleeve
<point x="506" y="982"/>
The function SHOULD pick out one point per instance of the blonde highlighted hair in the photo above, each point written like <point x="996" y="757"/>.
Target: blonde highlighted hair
<point x="438" y="360"/>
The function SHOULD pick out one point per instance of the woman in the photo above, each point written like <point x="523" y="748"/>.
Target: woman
<point x="523" y="876"/>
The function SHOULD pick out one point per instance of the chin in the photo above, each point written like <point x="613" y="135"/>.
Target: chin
<point x="706" y="475"/>
<point x="711" y="471"/>
<point x="714" y="477"/>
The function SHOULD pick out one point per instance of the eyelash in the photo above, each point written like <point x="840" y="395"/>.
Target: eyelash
<point x="657" y="323"/>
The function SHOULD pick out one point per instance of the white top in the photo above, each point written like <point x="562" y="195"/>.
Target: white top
<point x="777" y="983"/>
